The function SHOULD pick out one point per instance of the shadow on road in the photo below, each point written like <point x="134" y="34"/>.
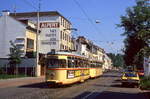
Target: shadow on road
<point x="43" y="85"/>
<point x="117" y="81"/>
<point x="111" y="95"/>
<point x="118" y="85"/>
<point x="110" y="76"/>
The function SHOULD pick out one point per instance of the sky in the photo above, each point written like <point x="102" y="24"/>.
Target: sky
<point x="83" y="15"/>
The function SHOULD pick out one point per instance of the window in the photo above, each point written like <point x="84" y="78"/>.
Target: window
<point x="69" y="38"/>
<point x="30" y="43"/>
<point x="65" y="37"/>
<point x="19" y="41"/>
<point x="61" y="46"/>
<point x="61" y="35"/>
<point x="71" y="63"/>
<point x="130" y="75"/>
<point x="61" y="21"/>
<point x="21" y="47"/>
<point x="57" y="63"/>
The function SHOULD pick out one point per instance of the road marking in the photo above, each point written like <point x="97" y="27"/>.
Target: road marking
<point x="94" y="92"/>
<point x="97" y="91"/>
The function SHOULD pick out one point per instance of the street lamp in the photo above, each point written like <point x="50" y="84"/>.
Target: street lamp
<point x="71" y="29"/>
<point x="97" y="21"/>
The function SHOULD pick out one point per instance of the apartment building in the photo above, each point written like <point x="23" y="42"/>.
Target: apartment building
<point x="55" y="30"/>
<point x="21" y="33"/>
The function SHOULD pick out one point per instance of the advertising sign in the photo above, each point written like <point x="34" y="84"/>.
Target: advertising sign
<point x="49" y="36"/>
<point x="70" y="74"/>
<point x="77" y="73"/>
<point x="49" y="25"/>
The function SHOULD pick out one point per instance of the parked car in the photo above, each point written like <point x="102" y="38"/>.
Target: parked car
<point x="130" y="78"/>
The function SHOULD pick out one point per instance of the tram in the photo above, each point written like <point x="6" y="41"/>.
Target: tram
<point x="66" y="68"/>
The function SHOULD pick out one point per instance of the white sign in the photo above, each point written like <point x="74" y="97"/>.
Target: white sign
<point x="146" y="66"/>
<point x="49" y="36"/>
<point x="49" y="25"/>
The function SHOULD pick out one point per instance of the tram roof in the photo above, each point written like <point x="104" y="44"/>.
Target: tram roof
<point x="67" y="53"/>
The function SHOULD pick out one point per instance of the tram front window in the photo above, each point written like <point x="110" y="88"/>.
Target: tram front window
<point x="56" y="63"/>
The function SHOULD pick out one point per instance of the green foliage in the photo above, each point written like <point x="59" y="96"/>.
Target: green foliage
<point x="117" y="60"/>
<point x="14" y="57"/>
<point x="136" y="25"/>
<point x="145" y="83"/>
<point x="6" y="76"/>
<point x="15" y="54"/>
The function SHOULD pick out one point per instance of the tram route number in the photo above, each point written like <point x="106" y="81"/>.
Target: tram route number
<point x="77" y="73"/>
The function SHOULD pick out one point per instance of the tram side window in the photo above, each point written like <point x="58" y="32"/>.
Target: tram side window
<point x="100" y="64"/>
<point x="83" y="63"/>
<point x="62" y="63"/>
<point x="77" y="62"/>
<point x="70" y="63"/>
<point x="80" y="63"/>
<point x="55" y="63"/>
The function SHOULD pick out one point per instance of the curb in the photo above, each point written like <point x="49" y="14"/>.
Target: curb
<point x="11" y="79"/>
<point x="146" y="93"/>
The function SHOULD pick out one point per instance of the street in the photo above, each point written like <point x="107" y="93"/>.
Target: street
<point x="107" y="86"/>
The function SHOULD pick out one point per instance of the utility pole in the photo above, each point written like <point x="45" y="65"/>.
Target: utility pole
<point x="37" y="43"/>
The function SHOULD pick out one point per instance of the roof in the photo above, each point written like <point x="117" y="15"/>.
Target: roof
<point x="66" y="53"/>
<point x="33" y="14"/>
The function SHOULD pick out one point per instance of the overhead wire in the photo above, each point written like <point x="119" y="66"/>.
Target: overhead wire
<point x="27" y="2"/>
<point x="86" y="15"/>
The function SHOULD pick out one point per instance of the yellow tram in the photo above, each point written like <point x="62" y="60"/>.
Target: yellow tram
<point x="67" y="68"/>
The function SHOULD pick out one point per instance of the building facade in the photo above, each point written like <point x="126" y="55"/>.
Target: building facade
<point x="21" y="33"/>
<point x="55" y="30"/>
<point x="55" y="34"/>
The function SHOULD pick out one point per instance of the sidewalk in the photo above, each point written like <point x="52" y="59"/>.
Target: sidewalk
<point x="20" y="81"/>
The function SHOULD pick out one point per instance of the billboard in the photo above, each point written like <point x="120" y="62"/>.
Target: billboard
<point x="49" y="36"/>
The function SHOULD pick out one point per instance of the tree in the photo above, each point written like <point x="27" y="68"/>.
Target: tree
<point x="136" y="25"/>
<point x="117" y="60"/>
<point x="14" y="57"/>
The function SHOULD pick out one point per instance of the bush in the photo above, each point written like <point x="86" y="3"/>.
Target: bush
<point x="145" y="83"/>
<point x="6" y="76"/>
<point x="2" y="71"/>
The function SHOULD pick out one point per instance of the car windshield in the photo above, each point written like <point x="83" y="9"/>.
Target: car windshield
<point x="130" y="75"/>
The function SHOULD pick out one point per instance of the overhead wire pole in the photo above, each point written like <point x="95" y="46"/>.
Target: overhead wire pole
<point x="37" y="67"/>
<point x="37" y="73"/>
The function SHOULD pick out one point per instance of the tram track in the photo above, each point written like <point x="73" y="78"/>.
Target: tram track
<point x="92" y="91"/>
<point x="86" y="89"/>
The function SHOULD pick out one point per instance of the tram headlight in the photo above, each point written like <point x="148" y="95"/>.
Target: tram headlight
<point x="52" y="75"/>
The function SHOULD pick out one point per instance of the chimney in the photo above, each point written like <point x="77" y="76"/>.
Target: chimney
<point x="5" y="12"/>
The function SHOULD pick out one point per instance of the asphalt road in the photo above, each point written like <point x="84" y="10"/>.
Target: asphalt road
<point x="107" y="86"/>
